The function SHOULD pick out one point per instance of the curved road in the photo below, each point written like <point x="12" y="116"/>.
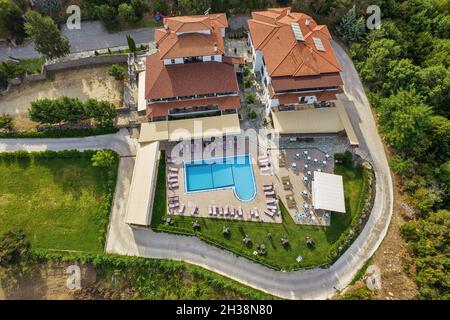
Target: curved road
<point x="305" y="284"/>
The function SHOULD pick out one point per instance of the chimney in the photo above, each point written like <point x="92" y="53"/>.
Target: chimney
<point x="307" y="22"/>
<point x="215" y="47"/>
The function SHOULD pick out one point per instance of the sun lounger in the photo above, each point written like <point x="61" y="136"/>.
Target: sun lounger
<point x="181" y="210"/>
<point x="232" y="212"/>
<point x="269" y="193"/>
<point x="268" y="188"/>
<point x="170" y="161"/>
<point x="173" y="186"/>
<point x="226" y="211"/>
<point x="272" y="207"/>
<point x="255" y="210"/>
<point x="173" y="205"/>
<point x="172" y="169"/>
<point x="210" y="210"/>
<point x="240" y="212"/>
<point x="252" y="213"/>
<point x="194" y="210"/>
<point x="269" y="213"/>
<point x="221" y="211"/>
<point x="173" y="180"/>
<point x="271" y="200"/>
<point x="214" y="211"/>
<point x="173" y="175"/>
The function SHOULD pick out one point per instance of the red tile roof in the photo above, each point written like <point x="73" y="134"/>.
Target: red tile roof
<point x="271" y="32"/>
<point x="166" y="81"/>
<point x="188" y="36"/>
<point x="162" y="108"/>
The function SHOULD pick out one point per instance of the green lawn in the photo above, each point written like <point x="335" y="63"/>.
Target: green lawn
<point x="59" y="203"/>
<point x="325" y="238"/>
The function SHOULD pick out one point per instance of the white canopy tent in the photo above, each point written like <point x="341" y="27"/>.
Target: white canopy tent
<point x="328" y="192"/>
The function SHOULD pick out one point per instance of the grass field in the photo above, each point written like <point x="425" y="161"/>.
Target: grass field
<point x="59" y="203"/>
<point x="278" y="256"/>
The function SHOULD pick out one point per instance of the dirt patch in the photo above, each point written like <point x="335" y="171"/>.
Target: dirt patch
<point x="49" y="282"/>
<point x="83" y="83"/>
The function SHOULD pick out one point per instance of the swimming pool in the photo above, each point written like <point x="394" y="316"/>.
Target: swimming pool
<point x="219" y="173"/>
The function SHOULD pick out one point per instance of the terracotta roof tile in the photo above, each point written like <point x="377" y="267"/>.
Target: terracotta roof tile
<point x="187" y="79"/>
<point x="271" y="32"/>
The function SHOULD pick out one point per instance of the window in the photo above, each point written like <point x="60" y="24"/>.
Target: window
<point x="172" y="61"/>
<point x="213" y="58"/>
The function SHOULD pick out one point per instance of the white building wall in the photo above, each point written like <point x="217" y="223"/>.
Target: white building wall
<point x="217" y="58"/>
<point x="199" y="31"/>
<point x="177" y="61"/>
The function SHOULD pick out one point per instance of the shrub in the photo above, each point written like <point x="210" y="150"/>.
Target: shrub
<point x="104" y="159"/>
<point x="6" y="121"/>
<point x="252" y="114"/>
<point x="71" y="110"/>
<point x="107" y="15"/>
<point x="116" y="71"/>
<point x="250" y="98"/>
<point x="126" y="12"/>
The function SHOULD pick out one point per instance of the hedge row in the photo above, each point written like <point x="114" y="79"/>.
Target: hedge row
<point x="59" y="133"/>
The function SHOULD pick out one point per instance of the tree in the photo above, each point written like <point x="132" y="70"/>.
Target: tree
<point x="116" y="71"/>
<point x="46" y="36"/>
<point x="159" y="6"/>
<point x="131" y="43"/>
<point x="351" y="29"/>
<point x="195" y="6"/>
<point x="107" y="15"/>
<point x="11" y="19"/>
<point x="126" y="12"/>
<point x="104" y="159"/>
<point x="380" y="54"/>
<point x="405" y="121"/>
<point x="402" y="75"/>
<point x="140" y="7"/>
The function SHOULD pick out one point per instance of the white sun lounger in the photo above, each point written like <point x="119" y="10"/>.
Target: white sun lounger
<point x="194" y="210"/>
<point x="267" y="188"/>
<point x="232" y="212"/>
<point x="173" y="205"/>
<point x="181" y="210"/>
<point x="173" y="186"/>
<point x="269" y="193"/>
<point x="255" y="210"/>
<point x="271" y="201"/>
<point x="173" y="175"/>
<point x="210" y="210"/>
<point x="214" y="211"/>
<point x="221" y="211"/>
<point x="240" y="212"/>
<point x="173" y="180"/>
<point x="269" y="213"/>
<point x="172" y="169"/>
<point x="226" y="211"/>
<point x="272" y="207"/>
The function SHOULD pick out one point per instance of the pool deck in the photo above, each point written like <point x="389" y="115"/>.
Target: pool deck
<point x="222" y="197"/>
<point x="298" y="205"/>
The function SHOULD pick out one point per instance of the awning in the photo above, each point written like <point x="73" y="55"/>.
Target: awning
<point x="347" y="124"/>
<point x="315" y="120"/>
<point x="328" y="192"/>
<point x="175" y="130"/>
<point x="140" y="199"/>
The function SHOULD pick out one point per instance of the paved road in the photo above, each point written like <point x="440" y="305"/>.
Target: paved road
<point x="91" y="36"/>
<point x="306" y="284"/>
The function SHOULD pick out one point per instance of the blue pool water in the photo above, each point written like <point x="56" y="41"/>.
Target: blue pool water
<point x="232" y="172"/>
